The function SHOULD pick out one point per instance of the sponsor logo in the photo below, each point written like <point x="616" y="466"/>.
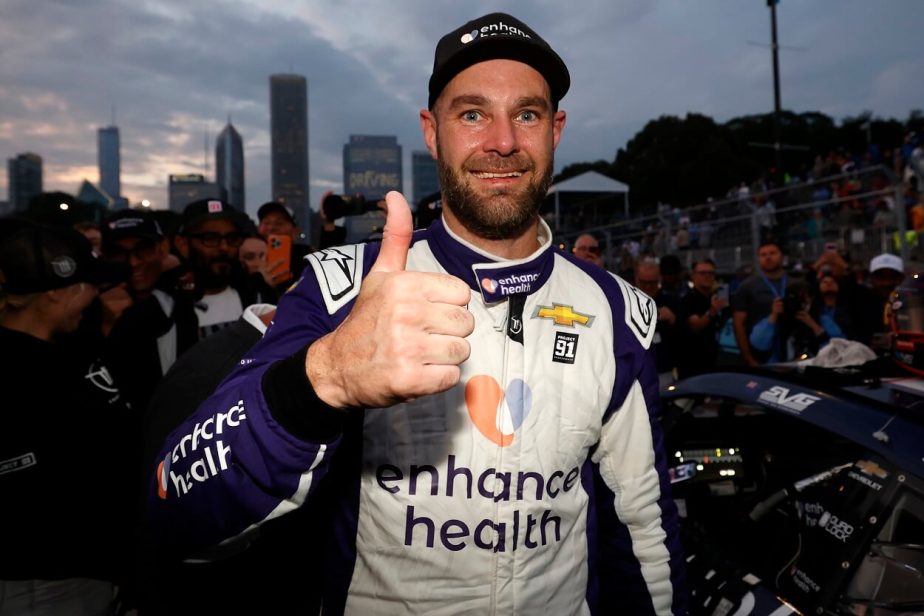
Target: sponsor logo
<point x="510" y="285"/>
<point x="214" y="207"/>
<point x="563" y="315"/>
<point x="18" y="463"/>
<point x="212" y="457"/>
<point x="492" y="30"/>
<point x="871" y="468"/>
<point x="565" y="348"/>
<point x="443" y="485"/>
<point x="640" y="312"/>
<point x="780" y="397"/>
<point x="64" y="266"/>
<point x="99" y="376"/>
<point x="837" y="528"/>
<point x="496" y="413"/>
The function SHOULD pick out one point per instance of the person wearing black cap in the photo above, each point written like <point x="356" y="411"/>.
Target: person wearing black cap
<point x="209" y="240"/>
<point x="274" y="218"/>
<point x="67" y="454"/>
<point x="469" y="412"/>
<point x="155" y="323"/>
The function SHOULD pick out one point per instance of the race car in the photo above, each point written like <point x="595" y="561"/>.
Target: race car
<point x="801" y="489"/>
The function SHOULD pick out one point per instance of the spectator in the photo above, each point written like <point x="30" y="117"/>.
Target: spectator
<point x="587" y="247"/>
<point x="64" y="535"/>
<point x="209" y="241"/>
<point x="867" y="303"/>
<point x="648" y="280"/>
<point x="153" y="324"/>
<point x="699" y="314"/>
<point x="754" y="299"/>
<point x="278" y="219"/>
<point x="673" y="282"/>
<point x="92" y="232"/>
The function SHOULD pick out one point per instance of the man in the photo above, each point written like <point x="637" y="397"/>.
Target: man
<point x="448" y="403"/>
<point x="699" y="315"/>
<point x="587" y="247"/>
<point x="152" y="325"/>
<point x="64" y="538"/>
<point x="648" y="280"/>
<point x="867" y="304"/>
<point x="277" y="219"/>
<point x="209" y="239"/>
<point x="755" y="296"/>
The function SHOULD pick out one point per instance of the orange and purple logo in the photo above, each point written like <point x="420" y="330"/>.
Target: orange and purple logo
<point x="497" y="414"/>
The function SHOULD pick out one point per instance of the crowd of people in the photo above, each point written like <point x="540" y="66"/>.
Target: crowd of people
<point x="767" y="313"/>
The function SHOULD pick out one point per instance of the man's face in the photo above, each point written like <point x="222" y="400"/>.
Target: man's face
<point x="586" y="247"/>
<point x="770" y="258"/>
<point x="883" y="281"/>
<point x="145" y="256"/>
<point x="253" y="254"/>
<point x="212" y="249"/>
<point x="74" y="300"/>
<point x="275" y="223"/>
<point x="704" y="277"/>
<point x="493" y="131"/>
<point x="648" y="279"/>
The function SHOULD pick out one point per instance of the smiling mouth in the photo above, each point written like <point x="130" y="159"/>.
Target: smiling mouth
<point x="490" y="175"/>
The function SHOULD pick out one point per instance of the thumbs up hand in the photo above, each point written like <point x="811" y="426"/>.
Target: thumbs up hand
<point x="404" y="337"/>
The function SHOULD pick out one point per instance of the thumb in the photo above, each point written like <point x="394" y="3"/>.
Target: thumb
<point x="396" y="237"/>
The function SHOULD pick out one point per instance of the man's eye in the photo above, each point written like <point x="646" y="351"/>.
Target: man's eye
<point x="470" y="116"/>
<point x="528" y="116"/>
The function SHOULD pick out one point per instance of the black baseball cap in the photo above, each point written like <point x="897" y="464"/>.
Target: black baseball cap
<point x="200" y="211"/>
<point x="131" y="223"/>
<point x="34" y="258"/>
<point x="275" y="206"/>
<point x="492" y="37"/>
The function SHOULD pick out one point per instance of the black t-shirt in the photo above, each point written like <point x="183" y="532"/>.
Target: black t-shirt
<point x="69" y="450"/>
<point x="697" y="350"/>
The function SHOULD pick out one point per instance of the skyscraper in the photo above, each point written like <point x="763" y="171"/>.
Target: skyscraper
<point x="229" y="165"/>
<point x="109" y="161"/>
<point x="185" y="188"/>
<point x="371" y="166"/>
<point x="424" y="175"/>
<point x="289" y="144"/>
<point x="25" y="179"/>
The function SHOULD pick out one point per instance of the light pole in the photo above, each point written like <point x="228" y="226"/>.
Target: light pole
<point x="777" y="142"/>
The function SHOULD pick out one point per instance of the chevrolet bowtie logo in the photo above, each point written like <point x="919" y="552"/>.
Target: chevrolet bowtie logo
<point x="871" y="468"/>
<point x="563" y="315"/>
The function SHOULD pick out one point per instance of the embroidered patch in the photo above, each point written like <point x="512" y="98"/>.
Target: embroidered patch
<point x="565" y="348"/>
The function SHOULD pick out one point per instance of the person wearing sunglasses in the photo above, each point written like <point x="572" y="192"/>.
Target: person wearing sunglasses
<point x="587" y="247"/>
<point x="209" y="241"/>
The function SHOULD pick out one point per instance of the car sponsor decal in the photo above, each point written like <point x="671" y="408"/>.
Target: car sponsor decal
<point x="18" y="463"/>
<point x="781" y="398"/>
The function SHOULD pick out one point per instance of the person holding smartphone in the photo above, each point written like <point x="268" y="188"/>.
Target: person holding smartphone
<point x="285" y="256"/>
<point x="701" y="312"/>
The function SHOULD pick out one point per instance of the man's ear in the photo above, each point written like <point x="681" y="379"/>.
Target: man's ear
<point x="428" y="127"/>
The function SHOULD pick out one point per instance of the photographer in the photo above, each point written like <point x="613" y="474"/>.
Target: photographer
<point x="701" y="311"/>
<point x="792" y="330"/>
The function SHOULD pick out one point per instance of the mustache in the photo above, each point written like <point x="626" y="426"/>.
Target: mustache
<point x="501" y="163"/>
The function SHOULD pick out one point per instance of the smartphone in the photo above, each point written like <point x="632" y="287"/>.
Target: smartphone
<point x="279" y="250"/>
<point x="722" y="291"/>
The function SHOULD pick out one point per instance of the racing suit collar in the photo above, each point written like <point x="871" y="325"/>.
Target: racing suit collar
<point x="495" y="278"/>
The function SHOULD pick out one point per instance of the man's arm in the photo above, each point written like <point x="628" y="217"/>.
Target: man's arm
<point x="741" y="335"/>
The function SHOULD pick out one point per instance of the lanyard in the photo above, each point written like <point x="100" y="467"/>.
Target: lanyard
<point x="776" y="292"/>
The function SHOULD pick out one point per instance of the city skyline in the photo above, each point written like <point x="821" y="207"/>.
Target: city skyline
<point x="368" y="66"/>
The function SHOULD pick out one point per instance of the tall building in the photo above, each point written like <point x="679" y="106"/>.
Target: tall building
<point x="289" y="144"/>
<point x="424" y="175"/>
<point x="229" y="166"/>
<point x="24" y="179"/>
<point x="189" y="187"/>
<point x="110" y="166"/>
<point x="371" y="166"/>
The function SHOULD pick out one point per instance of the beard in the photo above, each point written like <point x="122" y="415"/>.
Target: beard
<point x="503" y="213"/>
<point x="213" y="272"/>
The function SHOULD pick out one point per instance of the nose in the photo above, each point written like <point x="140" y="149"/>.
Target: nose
<point x="501" y="137"/>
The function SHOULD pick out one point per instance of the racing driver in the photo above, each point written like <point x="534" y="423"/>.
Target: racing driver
<point x="469" y="413"/>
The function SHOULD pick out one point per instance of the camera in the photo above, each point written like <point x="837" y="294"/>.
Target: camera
<point x="338" y="206"/>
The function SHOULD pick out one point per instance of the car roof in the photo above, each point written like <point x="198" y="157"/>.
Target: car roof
<point x="883" y="414"/>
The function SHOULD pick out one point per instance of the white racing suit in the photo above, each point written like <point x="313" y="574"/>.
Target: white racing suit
<point x="536" y="485"/>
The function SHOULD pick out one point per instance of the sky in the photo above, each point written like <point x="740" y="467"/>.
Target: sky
<point x="172" y="72"/>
